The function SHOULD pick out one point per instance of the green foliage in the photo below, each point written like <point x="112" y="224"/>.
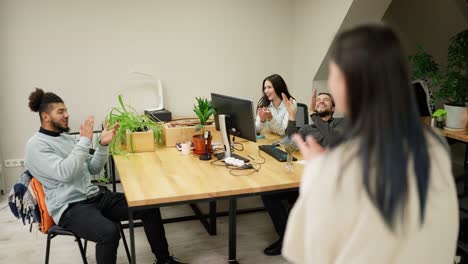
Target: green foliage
<point x="440" y="112"/>
<point x="204" y="110"/>
<point x="423" y="65"/>
<point x="128" y="118"/>
<point x="452" y="81"/>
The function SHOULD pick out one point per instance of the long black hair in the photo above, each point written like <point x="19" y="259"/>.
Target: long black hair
<point x="279" y="85"/>
<point x="383" y="117"/>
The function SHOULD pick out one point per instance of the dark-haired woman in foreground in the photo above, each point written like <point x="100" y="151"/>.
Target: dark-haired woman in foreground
<point x="385" y="193"/>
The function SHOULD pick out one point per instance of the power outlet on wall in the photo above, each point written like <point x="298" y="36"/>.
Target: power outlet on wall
<point x="10" y="163"/>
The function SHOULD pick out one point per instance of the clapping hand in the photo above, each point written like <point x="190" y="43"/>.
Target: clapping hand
<point x="86" y="129"/>
<point x="108" y="134"/>
<point x="290" y="107"/>
<point x="264" y="114"/>
<point x="313" y="101"/>
<point x="309" y="149"/>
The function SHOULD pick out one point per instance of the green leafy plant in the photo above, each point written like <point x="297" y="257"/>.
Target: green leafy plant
<point x="204" y="110"/>
<point x="129" y="118"/>
<point x="452" y="80"/>
<point x="423" y="65"/>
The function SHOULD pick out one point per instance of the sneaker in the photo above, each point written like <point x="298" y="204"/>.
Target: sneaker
<point x="274" y="249"/>
<point x="169" y="260"/>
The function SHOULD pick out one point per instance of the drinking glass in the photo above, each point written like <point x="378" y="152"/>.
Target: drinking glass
<point x="290" y="148"/>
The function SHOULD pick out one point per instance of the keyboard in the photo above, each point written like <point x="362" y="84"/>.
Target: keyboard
<point x="275" y="152"/>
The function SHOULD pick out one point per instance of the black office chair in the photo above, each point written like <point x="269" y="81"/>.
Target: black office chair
<point x="424" y="98"/>
<point x="56" y="230"/>
<point x="302" y="115"/>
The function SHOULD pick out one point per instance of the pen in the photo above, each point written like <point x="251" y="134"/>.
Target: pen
<point x="251" y="157"/>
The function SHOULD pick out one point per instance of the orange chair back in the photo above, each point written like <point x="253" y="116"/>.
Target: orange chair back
<point x="46" y="219"/>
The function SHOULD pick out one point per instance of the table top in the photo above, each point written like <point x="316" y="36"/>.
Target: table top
<point x="167" y="176"/>
<point x="458" y="135"/>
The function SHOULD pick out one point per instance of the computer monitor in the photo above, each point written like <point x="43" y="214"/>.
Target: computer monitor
<point x="239" y="115"/>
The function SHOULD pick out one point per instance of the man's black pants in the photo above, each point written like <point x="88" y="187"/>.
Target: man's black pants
<point x="97" y="219"/>
<point x="278" y="211"/>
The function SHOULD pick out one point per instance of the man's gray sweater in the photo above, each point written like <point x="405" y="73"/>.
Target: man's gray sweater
<point x="64" y="167"/>
<point x="324" y="132"/>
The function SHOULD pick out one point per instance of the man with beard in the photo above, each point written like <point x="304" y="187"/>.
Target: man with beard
<point x="326" y="130"/>
<point x="64" y="168"/>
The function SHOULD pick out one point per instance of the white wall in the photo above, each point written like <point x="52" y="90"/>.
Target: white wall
<point x="315" y="24"/>
<point x="2" y="177"/>
<point x="2" y="95"/>
<point x="428" y="22"/>
<point x="84" y="51"/>
<point x="360" y="12"/>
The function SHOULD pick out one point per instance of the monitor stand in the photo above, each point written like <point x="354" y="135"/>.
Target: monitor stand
<point x="223" y="128"/>
<point x="220" y="156"/>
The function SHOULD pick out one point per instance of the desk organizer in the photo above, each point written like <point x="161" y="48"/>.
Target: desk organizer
<point x="182" y="131"/>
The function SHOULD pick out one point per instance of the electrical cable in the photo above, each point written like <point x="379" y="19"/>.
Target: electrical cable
<point x="231" y="171"/>
<point x="233" y="146"/>
<point x="260" y="155"/>
<point x="232" y="168"/>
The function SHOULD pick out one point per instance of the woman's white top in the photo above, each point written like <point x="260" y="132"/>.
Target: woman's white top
<point x="278" y="123"/>
<point x="334" y="221"/>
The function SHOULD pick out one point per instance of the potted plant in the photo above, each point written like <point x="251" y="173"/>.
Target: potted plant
<point x="453" y="82"/>
<point x="423" y="65"/>
<point x="424" y="70"/>
<point x="137" y="131"/>
<point x="204" y="110"/>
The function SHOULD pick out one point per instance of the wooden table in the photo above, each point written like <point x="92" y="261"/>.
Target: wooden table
<point x="166" y="177"/>
<point x="461" y="136"/>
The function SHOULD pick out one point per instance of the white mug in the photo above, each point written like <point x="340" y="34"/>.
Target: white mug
<point x="186" y="148"/>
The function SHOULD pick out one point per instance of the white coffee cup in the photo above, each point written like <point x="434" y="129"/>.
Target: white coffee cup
<point x="186" y="148"/>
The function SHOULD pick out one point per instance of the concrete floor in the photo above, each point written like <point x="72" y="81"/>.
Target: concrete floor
<point x="188" y="240"/>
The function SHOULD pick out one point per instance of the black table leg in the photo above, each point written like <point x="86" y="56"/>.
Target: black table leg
<point x="132" y="235"/>
<point x="465" y="164"/>
<point x="232" y="230"/>
<point x="112" y="172"/>
<point x="213" y="218"/>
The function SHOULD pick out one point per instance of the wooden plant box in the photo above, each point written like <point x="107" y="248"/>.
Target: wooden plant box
<point x="183" y="130"/>
<point x="142" y="141"/>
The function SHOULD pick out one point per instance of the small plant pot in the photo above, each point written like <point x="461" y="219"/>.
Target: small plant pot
<point x="140" y="141"/>
<point x="199" y="144"/>
<point x="457" y="117"/>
